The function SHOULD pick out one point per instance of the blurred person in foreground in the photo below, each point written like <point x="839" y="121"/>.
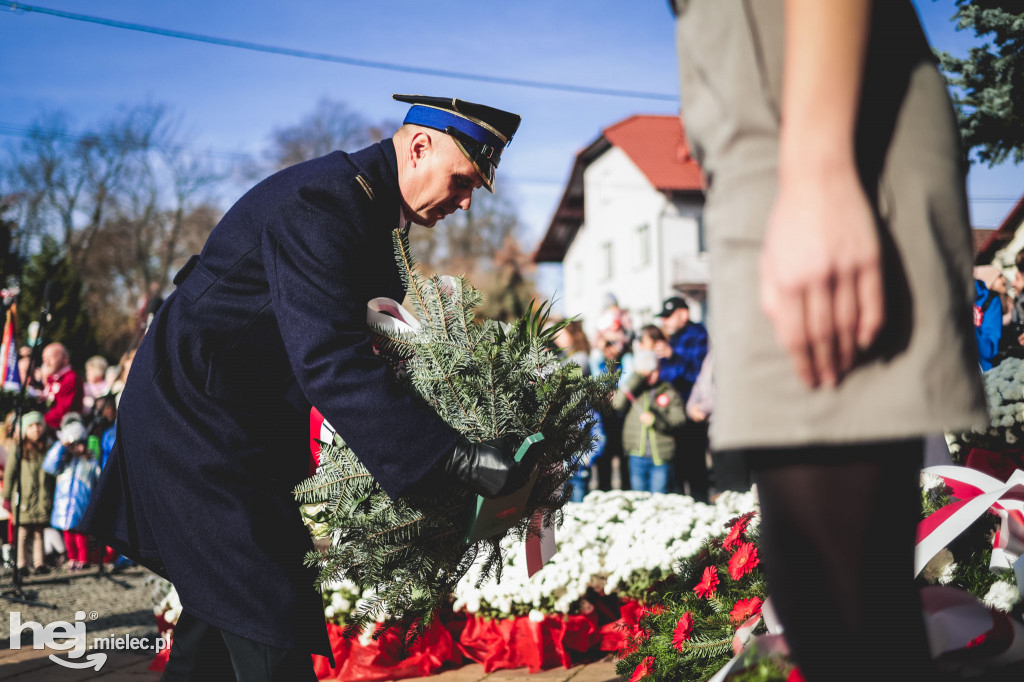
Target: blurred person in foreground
<point x="834" y="172"/>
<point x="268" y="321"/>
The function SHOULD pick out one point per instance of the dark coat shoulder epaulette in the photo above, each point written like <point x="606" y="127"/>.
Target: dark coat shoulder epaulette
<point x="365" y="184"/>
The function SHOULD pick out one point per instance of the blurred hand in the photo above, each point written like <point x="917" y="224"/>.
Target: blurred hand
<point x="821" y="278"/>
<point x="662" y="349"/>
<point x="696" y="414"/>
<point x="647" y="418"/>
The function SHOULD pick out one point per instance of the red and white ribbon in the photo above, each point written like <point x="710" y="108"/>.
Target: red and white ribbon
<point x="976" y="493"/>
<point x="389" y="314"/>
<point x="970" y="635"/>
<point x="541" y="547"/>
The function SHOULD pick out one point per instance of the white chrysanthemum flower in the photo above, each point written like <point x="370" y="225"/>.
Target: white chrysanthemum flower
<point x="940" y="568"/>
<point x="929" y="481"/>
<point x="1002" y="596"/>
<point x="366" y="636"/>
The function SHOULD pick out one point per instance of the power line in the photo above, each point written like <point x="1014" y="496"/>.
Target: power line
<point x="350" y="61"/>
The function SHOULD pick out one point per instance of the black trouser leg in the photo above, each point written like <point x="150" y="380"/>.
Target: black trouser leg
<point x="612" y="423"/>
<point x="691" y="460"/>
<point x="730" y="471"/>
<point x="202" y="652"/>
<point x="837" y="544"/>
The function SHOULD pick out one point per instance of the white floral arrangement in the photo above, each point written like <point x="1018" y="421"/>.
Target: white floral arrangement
<point x="341" y="598"/>
<point x="612" y="542"/>
<point x="1004" y="392"/>
<point x="1004" y="594"/>
<point x="166" y="602"/>
<point x="941" y="569"/>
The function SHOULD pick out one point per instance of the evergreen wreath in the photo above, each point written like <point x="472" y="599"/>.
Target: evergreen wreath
<point x="485" y="379"/>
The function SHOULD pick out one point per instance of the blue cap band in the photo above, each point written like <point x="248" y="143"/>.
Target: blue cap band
<point x="440" y="119"/>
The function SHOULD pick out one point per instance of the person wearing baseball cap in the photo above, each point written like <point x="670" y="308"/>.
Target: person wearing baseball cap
<point x="268" y="321"/>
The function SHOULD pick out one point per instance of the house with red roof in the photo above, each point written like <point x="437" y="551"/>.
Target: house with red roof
<point x="629" y="223"/>
<point x="1000" y="246"/>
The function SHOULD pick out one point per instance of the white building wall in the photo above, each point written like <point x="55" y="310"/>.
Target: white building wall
<point x="630" y="245"/>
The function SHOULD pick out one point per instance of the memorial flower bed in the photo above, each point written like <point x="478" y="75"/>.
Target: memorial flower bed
<point x="611" y="549"/>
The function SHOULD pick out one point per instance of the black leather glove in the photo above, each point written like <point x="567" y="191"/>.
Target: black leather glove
<point x="487" y="468"/>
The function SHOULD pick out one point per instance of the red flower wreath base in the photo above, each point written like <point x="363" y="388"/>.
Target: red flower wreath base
<point x="496" y="644"/>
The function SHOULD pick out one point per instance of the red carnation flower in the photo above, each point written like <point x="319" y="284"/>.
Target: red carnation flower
<point x="708" y="583"/>
<point x="662" y="400"/>
<point x="795" y="676"/>
<point x="743" y="561"/>
<point x="683" y="632"/>
<point x="745" y="608"/>
<point x="645" y="668"/>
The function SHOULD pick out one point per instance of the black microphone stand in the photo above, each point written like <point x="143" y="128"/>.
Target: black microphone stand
<point x="18" y="593"/>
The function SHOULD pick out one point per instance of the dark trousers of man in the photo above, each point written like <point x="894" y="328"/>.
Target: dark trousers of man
<point x="837" y="547"/>
<point x="691" y="468"/>
<point x="612" y="422"/>
<point x="729" y="471"/>
<point x="202" y="652"/>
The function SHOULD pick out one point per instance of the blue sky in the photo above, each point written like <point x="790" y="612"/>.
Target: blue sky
<point x="231" y="99"/>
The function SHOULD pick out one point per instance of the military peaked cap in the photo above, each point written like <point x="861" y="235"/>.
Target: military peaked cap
<point x="481" y="132"/>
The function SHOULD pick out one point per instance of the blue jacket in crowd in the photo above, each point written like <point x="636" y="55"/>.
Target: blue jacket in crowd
<point x="988" y="323"/>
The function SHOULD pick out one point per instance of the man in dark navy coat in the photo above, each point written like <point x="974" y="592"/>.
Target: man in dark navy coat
<point x="269" y="320"/>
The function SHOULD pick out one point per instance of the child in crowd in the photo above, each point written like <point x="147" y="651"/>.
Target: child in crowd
<point x="654" y="412"/>
<point x="95" y="382"/>
<point x="77" y="472"/>
<point x="35" y="491"/>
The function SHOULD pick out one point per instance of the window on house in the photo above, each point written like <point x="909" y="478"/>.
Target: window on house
<point x="643" y="246"/>
<point x="606" y="257"/>
<point x="702" y="244"/>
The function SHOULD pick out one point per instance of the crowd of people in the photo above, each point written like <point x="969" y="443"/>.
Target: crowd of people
<point x="52" y="452"/>
<point x="655" y="427"/>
